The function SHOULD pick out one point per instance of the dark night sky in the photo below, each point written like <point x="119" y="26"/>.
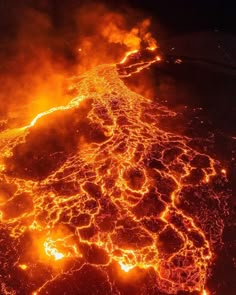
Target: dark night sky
<point x="179" y="16"/>
<point x="193" y="15"/>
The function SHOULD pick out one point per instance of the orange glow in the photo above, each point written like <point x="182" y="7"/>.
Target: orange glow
<point x="152" y="48"/>
<point x="97" y="181"/>
<point x="133" y="38"/>
<point x="60" y="108"/>
<point x="2" y="167"/>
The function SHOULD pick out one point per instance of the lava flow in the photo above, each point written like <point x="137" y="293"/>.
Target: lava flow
<point x="96" y="198"/>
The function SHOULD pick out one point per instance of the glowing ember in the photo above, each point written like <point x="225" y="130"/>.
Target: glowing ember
<point x="23" y="266"/>
<point x="223" y="171"/>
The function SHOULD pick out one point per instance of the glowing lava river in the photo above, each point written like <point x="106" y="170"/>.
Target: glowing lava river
<point x="96" y="198"/>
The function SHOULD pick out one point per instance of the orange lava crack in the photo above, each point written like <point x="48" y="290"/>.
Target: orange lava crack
<point x="98" y="181"/>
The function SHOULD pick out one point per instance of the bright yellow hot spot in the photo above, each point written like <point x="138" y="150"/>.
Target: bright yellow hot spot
<point x="52" y="251"/>
<point x="2" y="167"/>
<point x="223" y="171"/>
<point x="126" y="267"/>
<point x="58" y="248"/>
<point x="23" y="266"/>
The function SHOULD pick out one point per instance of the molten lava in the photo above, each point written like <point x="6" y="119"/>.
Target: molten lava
<point x="96" y="188"/>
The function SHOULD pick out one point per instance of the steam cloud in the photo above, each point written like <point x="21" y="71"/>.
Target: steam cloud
<point x="44" y="43"/>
